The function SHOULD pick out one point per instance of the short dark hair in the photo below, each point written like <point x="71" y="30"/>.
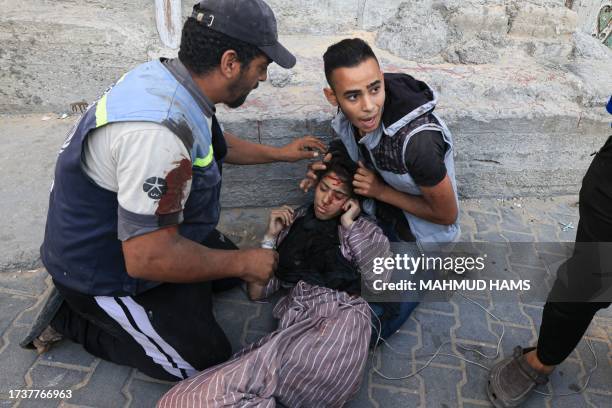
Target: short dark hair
<point x="346" y="54"/>
<point x="343" y="166"/>
<point x="202" y="48"/>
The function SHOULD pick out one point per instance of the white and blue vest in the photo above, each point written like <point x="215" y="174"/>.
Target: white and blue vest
<point x="81" y="249"/>
<point x="391" y="142"/>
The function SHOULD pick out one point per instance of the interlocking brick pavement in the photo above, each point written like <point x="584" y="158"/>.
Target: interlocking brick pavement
<point x="447" y="382"/>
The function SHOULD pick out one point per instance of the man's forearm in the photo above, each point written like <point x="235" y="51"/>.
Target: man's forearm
<point x="244" y="152"/>
<point x="180" y="260"/>
<point x="416" y="205"/>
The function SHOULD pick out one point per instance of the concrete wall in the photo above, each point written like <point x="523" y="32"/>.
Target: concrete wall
<point x="518" y="80"/>
<point x="587" y="11"/>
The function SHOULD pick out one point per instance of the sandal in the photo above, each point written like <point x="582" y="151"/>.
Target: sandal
<point x="512" y="380"/>
<point x="41" y="335"/>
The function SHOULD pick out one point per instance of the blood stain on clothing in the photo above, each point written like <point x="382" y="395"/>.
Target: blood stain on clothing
<point x="176" y="179"/>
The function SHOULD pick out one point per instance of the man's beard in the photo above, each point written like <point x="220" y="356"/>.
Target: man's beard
<point x="238" y="102"/>
<point x="239" y="88"/>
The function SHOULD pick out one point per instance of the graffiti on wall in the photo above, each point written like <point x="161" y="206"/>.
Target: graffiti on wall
<point x="603" y="27"/>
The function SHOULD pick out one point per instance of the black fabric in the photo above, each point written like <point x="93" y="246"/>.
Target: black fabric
<point x="394" y="218"/>
<point x="388" y="215"/>
<point x="403" y="95"/>
<point x="564" y="324"/>
<point x="424" y="158"/>
<point x="182" y="314"/>
<point x="311" y="252"/>
<point x="218" y="142"/>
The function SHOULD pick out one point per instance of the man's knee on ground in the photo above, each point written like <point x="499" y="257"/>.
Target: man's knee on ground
<point x="213" y="350"/>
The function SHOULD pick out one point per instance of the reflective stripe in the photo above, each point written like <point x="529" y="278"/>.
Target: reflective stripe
<point x="101" y="115"/>
<point x="203" y="162"/>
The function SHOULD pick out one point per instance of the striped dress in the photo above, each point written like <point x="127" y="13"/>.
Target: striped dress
<point x="316" y="356"/>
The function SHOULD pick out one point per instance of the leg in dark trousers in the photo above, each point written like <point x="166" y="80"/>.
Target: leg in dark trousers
<point x="168" y="332"/>
<point x="564" y="323"/>
<point x="583" y="278"/>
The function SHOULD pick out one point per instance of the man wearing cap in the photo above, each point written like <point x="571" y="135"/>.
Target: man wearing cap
<point x="130" y="239"/>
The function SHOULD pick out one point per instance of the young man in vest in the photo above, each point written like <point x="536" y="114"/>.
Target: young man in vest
<point x="130" y="239"/>
<point x="404" y="150"/>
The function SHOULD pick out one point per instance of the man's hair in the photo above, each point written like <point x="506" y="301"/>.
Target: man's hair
<point x="202" y="48"/>
<point x="343" y="166"/>
<point x="347" y="53"/>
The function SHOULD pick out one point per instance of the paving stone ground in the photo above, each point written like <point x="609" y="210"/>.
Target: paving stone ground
<point x="447" y="382"/>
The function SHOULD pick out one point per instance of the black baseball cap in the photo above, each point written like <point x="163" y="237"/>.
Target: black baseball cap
<point x="251" y="21"/>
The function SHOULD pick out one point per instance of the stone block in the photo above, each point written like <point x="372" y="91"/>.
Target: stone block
<point x="473" y="323"/>
<point x="51" y="377"/>
<point x="377" y="13"/>
<point x="597" y="400"/>
<point x="362" y="398"/>
<point x="397" y="361"/>
<point x="147" y="393"/>
<point x="262" y="321"/>
<point x="546" y="233"/>
<point x="104" y="388"/>
<point x="535" y="313"/>
<point x="435" y="329"/>
<point x="417" y="32"/>
<point x="550" y="20"/>
<point x="232" y="318"/>
<point x="322" y="16"/>
<point x="31" y="282"/>
<point x="484" y="221"/>
<point x="388" y="397"/>
<point x="513" y="220"/>
<point x="475" y="382"/>
<point x="514" y="336"/>
<point x="10" y="307"/>
<point x="67" y="352"/>
<point x="567" y="378"/>
<point x="41" y="403"/>
<point x="474" y="20"/>
<point x="512" y="236"/>
<point x="253" y="336"/>
<point x="508" y="308"/>
<point x="15" y="361"/>
<point x="86" y="47"/>
<point x="446" y="396"/>
<point x="599" y="380"/>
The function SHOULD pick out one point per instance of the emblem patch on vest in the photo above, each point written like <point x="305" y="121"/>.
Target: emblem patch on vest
<point x="155" y="187"/>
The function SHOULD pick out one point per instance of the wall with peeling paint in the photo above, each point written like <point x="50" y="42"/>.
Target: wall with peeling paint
<point x="518" y="80"/>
